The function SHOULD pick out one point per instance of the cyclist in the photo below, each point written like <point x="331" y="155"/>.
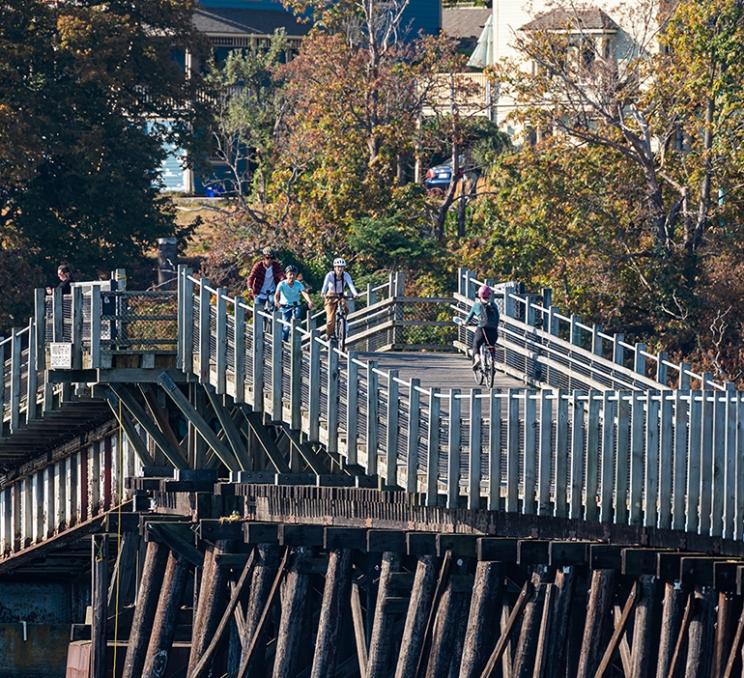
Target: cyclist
<point x="488" y="322"/>
<point x="287" y="297"/>
<point x="336" y="281"/>
<point x="264" y="277"/>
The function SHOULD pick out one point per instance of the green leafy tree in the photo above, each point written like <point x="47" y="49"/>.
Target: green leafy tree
<point x="82" y="88"/>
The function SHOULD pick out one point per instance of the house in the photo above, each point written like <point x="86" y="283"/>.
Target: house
<point x="246" y="24"/>
<point x="612" y="28"/>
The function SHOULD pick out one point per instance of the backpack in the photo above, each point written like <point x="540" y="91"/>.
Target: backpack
<point x="489" y="316"/>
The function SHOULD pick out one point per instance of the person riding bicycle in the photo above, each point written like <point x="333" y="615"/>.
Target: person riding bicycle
<point x="287" y="297"/>
<point x="487" y="312"/>
<point x="336" y="281"/>
<point x="264" y="277"/>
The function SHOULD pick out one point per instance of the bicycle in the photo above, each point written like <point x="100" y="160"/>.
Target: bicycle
<point x="486" y="373"/>
<point x="340" y="325"/>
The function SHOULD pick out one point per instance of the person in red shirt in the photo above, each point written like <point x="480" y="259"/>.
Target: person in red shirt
<point x="264" y="277"/>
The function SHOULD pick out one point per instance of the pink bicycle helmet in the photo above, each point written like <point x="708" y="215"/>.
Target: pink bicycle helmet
<point x="484" y="292"/>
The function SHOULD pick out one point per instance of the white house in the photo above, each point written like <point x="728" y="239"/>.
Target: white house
<point x="611" y="28"/>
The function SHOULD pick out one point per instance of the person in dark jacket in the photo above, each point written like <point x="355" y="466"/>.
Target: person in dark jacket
<point x="65" y="279"/>
<point x="264" y="277"/>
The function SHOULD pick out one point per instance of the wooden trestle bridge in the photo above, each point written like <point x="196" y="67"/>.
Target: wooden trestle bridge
<point x="228" y="503"/>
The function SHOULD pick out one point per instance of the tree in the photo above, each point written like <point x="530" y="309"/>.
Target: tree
<point x="90" y="93"/>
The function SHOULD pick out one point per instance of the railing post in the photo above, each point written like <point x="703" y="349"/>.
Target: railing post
<point x="15" y="380"/>
<point x="661" y="368"/>
<point x="578" y="427"/>
<point x="4" y="522"/>
<point x="391" y="444"/>
<point x="239" y="349"/>
<point x="313" y="411"/>
<point x="666" y="460"/>
<point x="48" y="517"/>
<point x="694" y="454"/>
<point x="652" y="458"/>
<point x="276" y="366"/>
<point x="432" y="449"/>
<point x="607" y="469"/>
<point x="295" y="377"/>
<point x="39" y="327"/>
<point x="621" y="458"/>
<point x="719" y="463"/>
<point x="639" y="359"/>
<point x="58" y="321"/>
<point x="597" y="340"/>
<point x="510" y="308"/>
<point x="32" y="375"/>
<point x="592" y="442"/>
<point x="573" y="336"/>
<point x="221" y="341"/>
<point x="529" y="453"/>
<point x="187" y="336"/>
<point x="96" y="309"/>
<point x="180" y="316"/>
<point x="352" y="407"/>
<point x="372" y="410"/>
<point x="561" y="452"/>
<point x="205" y="323"/>
<point x="618" y="351"/>
<point x="474" y="446"/>
<point x="512" y="451"/>
<point x="332" y="400"/>
<point x="739" y="495"/>
<point x="412" y="435"/>
<point x="257" y="354"/>
<point x="494" y="451"/>
<point x="76" y="330"/>
<point x="453" y="450"/>
<point x="681" y="410"/>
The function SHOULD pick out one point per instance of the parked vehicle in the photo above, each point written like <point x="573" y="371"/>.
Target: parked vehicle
<point x="439" y="176"/>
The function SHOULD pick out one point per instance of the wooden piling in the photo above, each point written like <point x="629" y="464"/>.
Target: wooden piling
<point x="596" y="625"/>
<point x="644" y="625"/>
<point x="332" y="609"/>
<point x="485" y="610"/>
<point x="260" y="586"/>
<point x="700" y="635"/>
<point x="380" y="641"/>
<point x="444" y="632"/>
<point x="211" y="602"/>
<point x="671" y="619"/>
<point x="559" y="622"/>
<point x="166" y="617"/>
<point x="294" y="599"/>
<point x="723" y="634"/>
<point x="524" y="655"/>
<point x="144" y="611"/>
<point x="418" y="613"/>
<point x="99" y="566"/>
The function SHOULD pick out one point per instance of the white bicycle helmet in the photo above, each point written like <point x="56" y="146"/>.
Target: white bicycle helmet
<point x="339" y="261"/>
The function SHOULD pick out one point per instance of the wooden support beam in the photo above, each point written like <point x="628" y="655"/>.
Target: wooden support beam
<point x="562" y="595"/>
<point x="445" y="631"/>
<point x="734" y="657"/>
<point x="232" y="434"/>
<point x="202" y="427"/>
<point x="121" y="416"/>
<point x="144" y="611"/>
<point x="596" y="624"/>
<point x="248" y="653"/>
<point x="380" y="641"/>
<point x="526" y="650"/>
<point x="315" y="461"/>
<point x="121" y="590"/>
<point x="266" y="443"/>
<point x="203" y="664"/>
<point x="166" y="617"/>
<point x="360" y="638"/>
<point x="337" y="582"/>
<point x="671" y="619"/>
<point x="485" y="610"/>
<point x="99" y="600"/>
<point x="503" y="640"/>
<point x="676" y="660"/>
<point x="700" y="634"/>
<point x="724" y="633"/>
<point x="172" y="454"/>
<point x="290" y="625"/>
<point x="263" y="575"/>
<point x="210" y="603"/>
<point x="617" y="634"/>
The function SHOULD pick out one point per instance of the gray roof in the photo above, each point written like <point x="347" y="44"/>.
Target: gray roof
<point x="464" y="22"/>
<point x="235" y="21"/>
<point x="588" y="18"/>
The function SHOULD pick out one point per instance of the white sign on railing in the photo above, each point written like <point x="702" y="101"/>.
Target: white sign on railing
<point x="60" y="355"/>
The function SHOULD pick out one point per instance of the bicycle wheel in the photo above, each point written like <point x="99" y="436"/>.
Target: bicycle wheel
<point x="480" y="376"/>
<point x="490" y="368"/>
<point x="341" y="330"/>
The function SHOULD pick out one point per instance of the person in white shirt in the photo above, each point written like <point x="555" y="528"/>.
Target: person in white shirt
<point x="336" y="281"/>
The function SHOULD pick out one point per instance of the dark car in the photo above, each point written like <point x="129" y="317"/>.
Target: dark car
<point x="439" y="176"/>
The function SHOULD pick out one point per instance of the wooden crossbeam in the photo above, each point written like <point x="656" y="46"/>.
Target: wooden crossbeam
<point x="604" y="664"/>
<point x="268" y="445"/>
<point x="232" y="434"/>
